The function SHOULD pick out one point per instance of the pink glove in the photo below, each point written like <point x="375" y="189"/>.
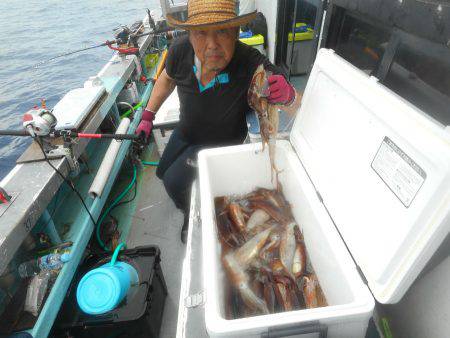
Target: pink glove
<point x="280" y="91"/>
<point x="146" y="125"/>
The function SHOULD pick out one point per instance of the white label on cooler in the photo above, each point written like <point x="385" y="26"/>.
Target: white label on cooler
<point x="402" y="175"/>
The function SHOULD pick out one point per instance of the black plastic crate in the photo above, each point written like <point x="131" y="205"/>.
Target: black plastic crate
<point x="139" y="314"/>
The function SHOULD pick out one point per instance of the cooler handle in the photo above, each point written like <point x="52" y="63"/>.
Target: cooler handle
<point x="293" y="330"/>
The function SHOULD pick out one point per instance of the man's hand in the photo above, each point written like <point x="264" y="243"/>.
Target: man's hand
<point x="146" y="125"/>
<point x="164" y="86"/>
<point x="280" y="91"/>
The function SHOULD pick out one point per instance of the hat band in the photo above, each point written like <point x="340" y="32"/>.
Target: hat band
<point x="211" y="12"/>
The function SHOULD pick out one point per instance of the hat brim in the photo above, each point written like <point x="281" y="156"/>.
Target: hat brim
<point x="206" y="24"/>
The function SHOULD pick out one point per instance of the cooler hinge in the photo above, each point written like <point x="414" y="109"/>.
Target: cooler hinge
<point x="361" y="274"/>
<point x="195" y="300"/>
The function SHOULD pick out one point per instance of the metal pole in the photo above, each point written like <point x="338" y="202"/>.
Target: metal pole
<point x="294" y="19"/>
<point x="50" y="228"/>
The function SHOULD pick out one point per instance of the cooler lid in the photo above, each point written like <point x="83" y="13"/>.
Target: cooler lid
<point x="382" y="168"/>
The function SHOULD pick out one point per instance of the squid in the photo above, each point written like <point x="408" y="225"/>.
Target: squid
<point x="267" y="113"/>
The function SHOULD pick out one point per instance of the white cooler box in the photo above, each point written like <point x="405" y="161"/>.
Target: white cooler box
<point x="366" y="173"/>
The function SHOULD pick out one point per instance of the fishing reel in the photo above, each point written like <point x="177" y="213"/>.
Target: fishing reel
<point x="125" y="40"/>
<point x="39" y="122"/>
<point x="122" y="35"/>
<point x="126" y="37"/>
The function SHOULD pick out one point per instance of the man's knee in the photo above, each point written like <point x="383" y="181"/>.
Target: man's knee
<point x="160" y="172"/>
<point x="176" y="188"/>
<point x="170" y="183"/>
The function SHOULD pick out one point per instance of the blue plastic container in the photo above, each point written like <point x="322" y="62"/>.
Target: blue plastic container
<point x="103" y="288"/>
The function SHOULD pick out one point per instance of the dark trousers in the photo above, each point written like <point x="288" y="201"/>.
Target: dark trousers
<point x="175" y="171"/>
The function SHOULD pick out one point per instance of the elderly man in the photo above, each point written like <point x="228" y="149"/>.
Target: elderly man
<point x="212" y="71"/>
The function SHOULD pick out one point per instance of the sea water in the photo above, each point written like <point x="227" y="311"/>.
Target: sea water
<point x="36" y="30"/>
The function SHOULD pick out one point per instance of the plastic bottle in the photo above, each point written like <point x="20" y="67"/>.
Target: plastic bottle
<point x="49" y="262"/>
<point x="36" y="292"/>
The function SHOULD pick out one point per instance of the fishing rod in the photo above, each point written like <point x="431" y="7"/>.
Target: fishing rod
<point x="109" y="44"/>
<point x="125" y="39"/>
<point x="123" y="36"/>
<point x="70" y="53"/>
<point x="41" y="122"/>
<point x="70" y="134"/>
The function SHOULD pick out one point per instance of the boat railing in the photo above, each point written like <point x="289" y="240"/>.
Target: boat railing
<point x="33" y="185"/>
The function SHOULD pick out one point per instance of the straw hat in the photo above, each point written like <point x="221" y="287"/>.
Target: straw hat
<point x="211" y="14"/>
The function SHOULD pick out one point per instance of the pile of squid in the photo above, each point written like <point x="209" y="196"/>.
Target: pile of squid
<point x="264" y="256"/>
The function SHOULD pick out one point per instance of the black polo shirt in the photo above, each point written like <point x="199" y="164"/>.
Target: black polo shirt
<point x="215" y="116"/>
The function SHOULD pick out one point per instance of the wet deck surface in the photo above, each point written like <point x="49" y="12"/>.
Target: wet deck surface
<point x="158" y="222"/>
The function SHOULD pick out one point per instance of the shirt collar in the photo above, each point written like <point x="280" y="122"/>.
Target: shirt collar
<point x="220" y="78"/>
<point x="197" y="68"/>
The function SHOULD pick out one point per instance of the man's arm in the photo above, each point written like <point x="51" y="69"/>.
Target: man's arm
<point x="164" y="86"/>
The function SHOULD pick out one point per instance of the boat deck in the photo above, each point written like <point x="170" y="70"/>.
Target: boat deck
<point x="156" y="221"/>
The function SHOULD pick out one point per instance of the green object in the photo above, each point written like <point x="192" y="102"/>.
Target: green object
<point x="309" y="35"/>
<point x="151" y="60"/>
<point x="116" y="253"/>
<point x="154" y="164"/>
<point x="150" y="151"/>
<point x="116" y="201"/>
<point x="255" y="40"/>
<point x="129" y="111"/>
<point x="386" y="328"/>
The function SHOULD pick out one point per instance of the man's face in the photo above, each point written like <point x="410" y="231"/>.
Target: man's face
<point x="214" y="48"/>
